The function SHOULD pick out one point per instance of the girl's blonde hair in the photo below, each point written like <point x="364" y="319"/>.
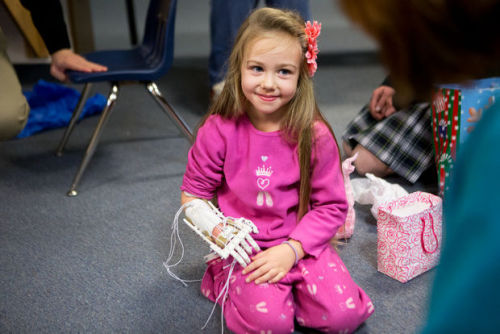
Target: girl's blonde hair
<point x="297" y="124"/>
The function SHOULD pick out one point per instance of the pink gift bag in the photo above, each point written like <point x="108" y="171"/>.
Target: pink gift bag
<point x="409" y="233"/>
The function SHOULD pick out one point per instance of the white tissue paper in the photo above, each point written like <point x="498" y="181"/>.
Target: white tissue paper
<point x="346" y="230"/>
<point x="375" y="191"/>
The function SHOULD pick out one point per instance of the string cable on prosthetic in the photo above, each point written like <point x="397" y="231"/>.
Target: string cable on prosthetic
<point x="174" y="237"/>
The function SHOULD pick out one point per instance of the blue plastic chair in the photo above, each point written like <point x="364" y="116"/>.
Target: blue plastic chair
<point x="144" y="63"/>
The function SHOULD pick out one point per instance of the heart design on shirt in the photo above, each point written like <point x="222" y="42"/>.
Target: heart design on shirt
<point x="263" y="183"/>
<point x="264" y="158"/>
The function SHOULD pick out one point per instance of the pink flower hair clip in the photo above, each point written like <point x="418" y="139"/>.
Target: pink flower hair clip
<point x="312" y="31"/>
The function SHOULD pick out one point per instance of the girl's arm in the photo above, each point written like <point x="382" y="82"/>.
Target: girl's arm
<point x="186" y="198"/>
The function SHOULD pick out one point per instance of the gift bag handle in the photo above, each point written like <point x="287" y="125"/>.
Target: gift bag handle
<point x="433" y="232"/>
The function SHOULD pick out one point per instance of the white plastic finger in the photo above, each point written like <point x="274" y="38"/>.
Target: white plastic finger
<point x="252" y="242"/>
<point x="242" y="253"/>
<point x="238" y="258"/>
<point x="247" y="248"/>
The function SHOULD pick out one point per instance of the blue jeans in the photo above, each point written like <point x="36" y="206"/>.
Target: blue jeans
<point x="226" y="17"/>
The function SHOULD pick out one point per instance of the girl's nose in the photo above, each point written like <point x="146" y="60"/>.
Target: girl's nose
<point x="268" y="81"/>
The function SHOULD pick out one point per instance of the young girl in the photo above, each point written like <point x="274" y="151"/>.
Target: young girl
<point x="266" y="153"/>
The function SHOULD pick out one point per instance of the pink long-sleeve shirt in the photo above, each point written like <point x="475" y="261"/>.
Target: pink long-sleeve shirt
<point x="256" y="175"/>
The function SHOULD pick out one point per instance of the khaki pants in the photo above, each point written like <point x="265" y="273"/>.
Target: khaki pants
<point x="14" y="108"/>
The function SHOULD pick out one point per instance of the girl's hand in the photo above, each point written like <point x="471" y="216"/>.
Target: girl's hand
<point x="272" y="264"/>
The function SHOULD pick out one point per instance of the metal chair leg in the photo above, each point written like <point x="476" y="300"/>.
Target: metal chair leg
<point x="167" y="108"/>
<point x="74" y="118"/>
<point x="113" y="95"/>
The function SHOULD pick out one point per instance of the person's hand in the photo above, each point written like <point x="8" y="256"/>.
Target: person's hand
<point x="272" y="264"/>
<point x="66" y="59"/>
<point x="381" y="102"/>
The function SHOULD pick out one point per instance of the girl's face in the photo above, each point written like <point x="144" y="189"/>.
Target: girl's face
<point x="269" y="75"/>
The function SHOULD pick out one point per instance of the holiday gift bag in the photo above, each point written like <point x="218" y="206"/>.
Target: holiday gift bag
<point x="455" y="110"/>
<point x="409" y="235"/>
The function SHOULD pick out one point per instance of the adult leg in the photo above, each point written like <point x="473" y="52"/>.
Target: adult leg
<point x="14" y="107"/>
<point x="367" y="162"/>
<point x="301" y="6"/>
<point x="347" y="149"/>
<point x="226" y="17"/>
<point x="327" y="298"/>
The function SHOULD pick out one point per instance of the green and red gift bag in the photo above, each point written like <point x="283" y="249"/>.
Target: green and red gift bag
<point x="455" y="110"/>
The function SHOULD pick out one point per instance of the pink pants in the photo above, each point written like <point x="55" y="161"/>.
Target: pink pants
<point x="318" y="292"/>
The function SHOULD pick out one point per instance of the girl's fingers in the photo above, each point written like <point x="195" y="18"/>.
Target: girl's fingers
<point x="267" y="277"/>
<point x="256" y="263"/>
<point x="256" y="274"/>
<point x="278" y="277"/>
<point x="258" y="255"/>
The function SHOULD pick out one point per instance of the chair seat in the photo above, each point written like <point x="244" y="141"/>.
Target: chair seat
<point x="123" y="65"/>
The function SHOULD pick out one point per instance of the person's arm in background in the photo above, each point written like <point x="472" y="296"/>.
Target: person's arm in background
<point x="48" y="18"/>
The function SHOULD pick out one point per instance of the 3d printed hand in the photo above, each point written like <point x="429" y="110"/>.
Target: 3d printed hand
<point x="225" y="235"/>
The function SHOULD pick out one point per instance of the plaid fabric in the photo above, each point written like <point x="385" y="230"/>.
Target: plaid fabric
<point x="403" y="141"/>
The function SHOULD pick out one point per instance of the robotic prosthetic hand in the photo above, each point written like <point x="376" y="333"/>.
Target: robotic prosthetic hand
<point x="225" y="235"/>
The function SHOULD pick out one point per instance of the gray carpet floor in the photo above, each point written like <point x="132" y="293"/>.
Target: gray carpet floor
<point x="93" y="263"/>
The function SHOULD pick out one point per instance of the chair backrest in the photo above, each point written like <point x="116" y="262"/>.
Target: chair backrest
<point x="158" y="41"/>
<point x="146" y="62"/>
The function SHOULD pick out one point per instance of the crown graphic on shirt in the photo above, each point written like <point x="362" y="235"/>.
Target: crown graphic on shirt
<point x="263" y="171"/>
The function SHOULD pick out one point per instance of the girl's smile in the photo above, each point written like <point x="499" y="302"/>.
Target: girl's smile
<point x="268" y="98"/>
<point x="269" y="75"/>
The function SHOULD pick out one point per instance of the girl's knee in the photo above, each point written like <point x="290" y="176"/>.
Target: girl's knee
<point x="338" y="322"/>
<point x="340" y="314"/>
<point x="255" y="323"/>
<point x="263" y="321"/>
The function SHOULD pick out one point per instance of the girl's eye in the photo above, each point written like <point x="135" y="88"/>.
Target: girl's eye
<point x="256" y="68"/>
<point x="284" y="72"/>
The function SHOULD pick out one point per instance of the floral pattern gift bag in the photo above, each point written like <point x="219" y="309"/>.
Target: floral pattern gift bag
<point x="409" y="232"/>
